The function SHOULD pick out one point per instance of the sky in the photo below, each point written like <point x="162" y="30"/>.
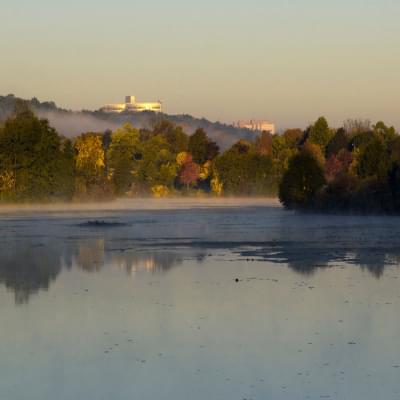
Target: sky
<point x="288" y="61"/>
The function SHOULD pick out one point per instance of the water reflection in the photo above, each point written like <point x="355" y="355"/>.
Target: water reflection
<point x="305" y="259"/>
<point x="89" y="255"/>
<point x="151" y="261"/>
<point x="34" y="250"/>
<point x="28" y="265"/>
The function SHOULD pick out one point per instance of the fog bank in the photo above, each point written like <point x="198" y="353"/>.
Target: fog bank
<point x="142" y="204"/>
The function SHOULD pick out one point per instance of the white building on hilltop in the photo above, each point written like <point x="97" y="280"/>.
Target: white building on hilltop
<point x="257" y="125"/>
<point x="132" y="105"/>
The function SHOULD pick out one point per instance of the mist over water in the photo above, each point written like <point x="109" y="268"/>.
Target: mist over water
<point x="211" y="298"/>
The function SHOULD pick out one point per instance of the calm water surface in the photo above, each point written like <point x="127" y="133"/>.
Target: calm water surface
<point x="200" y="303"/>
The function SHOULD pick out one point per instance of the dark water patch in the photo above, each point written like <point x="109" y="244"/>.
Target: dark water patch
<point x="102" y="224"/>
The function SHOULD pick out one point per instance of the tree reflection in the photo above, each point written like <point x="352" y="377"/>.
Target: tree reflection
<point x="305" y="259"/>
<point x="149" y="261"/>
<point x="89" y="254"/>
<point x="29" y="264"/>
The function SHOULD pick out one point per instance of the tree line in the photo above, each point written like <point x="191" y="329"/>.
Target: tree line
<point x="38" y="164"/>
<point x="353" y="168"/>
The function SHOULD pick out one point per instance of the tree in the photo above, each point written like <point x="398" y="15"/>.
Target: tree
<point x="354" y="127"/>
<point x="333" y="167"/>
<point x="300" y="183"/>
<point x="372" y="159"/>
<point x="241" y="147"/>
<point x="198" y="146"/>
<point x="387" y="133"/>
<point x="156" y="164"/>
<point x="360" y="140"/>
<point x="90" y="165"/>
<point x="31" y="158"/>
<point x="121" y="157"/>
<point x="242" y="171"/>
<point x="174" y="135"/>
<point x="319" y="133"/>
<point x="345" y="157"/>
<point x="202" y="147"/>
<point x="338" y="142"/>
<point x="292" y="137"/>
<point x="316" y="152"/>
<point x="284" y="147"/>
<point x="212" y="150"/>
<point x="264" y="143"/>
<point x="89" y="158"/>
<point x="394" y="185"/>
<point x="189" y="173"/>
<point x="66" y="170"/>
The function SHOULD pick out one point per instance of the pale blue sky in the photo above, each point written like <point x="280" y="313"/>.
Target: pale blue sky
<point x="288" y="61"/>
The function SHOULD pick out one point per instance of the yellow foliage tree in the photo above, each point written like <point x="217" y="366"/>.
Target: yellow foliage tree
<point x="205" y="170"/>
<point x="89" y="160"/>
<point x="216" y="185"/>
<point x="182" y="157"/>
<point x="160" y="191"/>
<point x="7" y="182"/>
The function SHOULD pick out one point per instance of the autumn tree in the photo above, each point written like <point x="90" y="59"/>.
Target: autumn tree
<point x="339" y="141"/>
<point x="333" y="167"/>
<point x="189" y="173"/>
<point x="89" y="164"/>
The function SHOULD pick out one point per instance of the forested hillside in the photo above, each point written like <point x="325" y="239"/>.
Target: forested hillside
<point x="72" y="123"/>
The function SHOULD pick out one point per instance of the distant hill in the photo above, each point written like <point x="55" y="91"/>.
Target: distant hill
<point x="72" y="123"/>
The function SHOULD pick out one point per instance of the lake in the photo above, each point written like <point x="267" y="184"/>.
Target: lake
<point x="199" y="299"/>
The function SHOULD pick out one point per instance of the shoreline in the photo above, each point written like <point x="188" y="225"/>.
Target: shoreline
<point x="142" y="204"/>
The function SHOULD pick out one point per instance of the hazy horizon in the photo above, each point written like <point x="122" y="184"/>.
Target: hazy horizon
<point x="288" y="62"/>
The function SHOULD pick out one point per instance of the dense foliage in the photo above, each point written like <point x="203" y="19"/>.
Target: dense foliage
<point x="353" y="168"/>
<point x="301" y="181"/>
<point x="37" y="164"/>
